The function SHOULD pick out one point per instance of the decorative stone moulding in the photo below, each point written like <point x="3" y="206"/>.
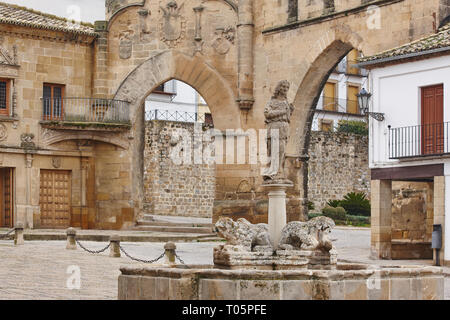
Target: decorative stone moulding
<point x="115" y="6"/>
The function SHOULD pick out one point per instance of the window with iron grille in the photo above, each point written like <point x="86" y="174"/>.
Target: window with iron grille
<point x="4" y="96"/>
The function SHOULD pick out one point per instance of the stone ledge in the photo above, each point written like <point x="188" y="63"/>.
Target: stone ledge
<point x="86" y="126"/>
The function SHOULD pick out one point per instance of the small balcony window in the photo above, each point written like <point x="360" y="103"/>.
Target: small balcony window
<point x="4" y="97"/>
<point x="53" y="101"/>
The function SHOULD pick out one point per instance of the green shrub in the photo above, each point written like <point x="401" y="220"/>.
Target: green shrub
<point x="311" y="206"/>
<point x="358" y="220"/>
<point x="337" y="214"/>
<point x="314" y="215"/>
<point x="334" y="203"/>
<point x="355" y="127"/>
<point x="356" y="204"/>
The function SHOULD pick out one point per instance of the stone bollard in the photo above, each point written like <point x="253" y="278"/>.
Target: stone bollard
<point x="115" y="246"/>
<point x="170" y="248"/>
<point x="71" y="243"/>
<point x="18" y="238"/>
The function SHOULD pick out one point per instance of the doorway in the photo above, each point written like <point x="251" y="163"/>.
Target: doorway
<point x="55" y="199"/>
<point x="433" y="119"/>
<point x="7" y="197"/>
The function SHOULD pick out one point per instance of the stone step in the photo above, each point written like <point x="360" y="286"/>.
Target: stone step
<point x="174" y="224"/>
<point x="174" y="229"/>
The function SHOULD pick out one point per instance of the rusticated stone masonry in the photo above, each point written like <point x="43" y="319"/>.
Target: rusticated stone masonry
<point x="172" y="189"/>
<point x="338" y="165"/>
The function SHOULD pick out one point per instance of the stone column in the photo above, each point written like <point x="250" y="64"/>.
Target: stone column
<point x="277" y="210"/>
<point x="441" y="202"/>
<point x="28" y="219"/>
<point x="100" y="87"/>
<point x="381" y="194"/>
<point x="245" y="30"/>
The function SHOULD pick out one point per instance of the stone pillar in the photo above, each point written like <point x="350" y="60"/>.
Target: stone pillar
<point x="18" y="238"/>
<point x="277" y="211"/>
<point x="170" y="248"/>
<point x="441" y="202"/>
<point x="29" y="213"/>
<point x="71" y="242"/>
<point x="245" y="29"/>
<point x="115" y="246"/>
<point x="381" y="195"/>
<point x="100" y="87"/>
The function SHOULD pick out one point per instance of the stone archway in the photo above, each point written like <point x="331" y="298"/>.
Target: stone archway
<point x="160" y="68"/>
<point x="324" y="56"/>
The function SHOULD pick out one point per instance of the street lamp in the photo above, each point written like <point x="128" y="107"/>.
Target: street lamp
<point x="364" y="101"/>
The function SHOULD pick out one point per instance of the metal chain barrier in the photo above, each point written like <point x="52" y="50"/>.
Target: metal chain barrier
<point x="141" y="260"/>
<point x="181" y="261"/>
<point x="4" y="236"/>
<point x="93" y="251"/>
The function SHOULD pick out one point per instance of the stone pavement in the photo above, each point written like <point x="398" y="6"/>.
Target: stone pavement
<point x="38" y="270"/>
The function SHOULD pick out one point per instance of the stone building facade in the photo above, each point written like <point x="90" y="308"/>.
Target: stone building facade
<point x="75" y="157"/>
<point x="338" y="164"/>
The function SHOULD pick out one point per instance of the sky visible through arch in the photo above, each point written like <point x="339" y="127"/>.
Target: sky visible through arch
<point x="84" y="10"/>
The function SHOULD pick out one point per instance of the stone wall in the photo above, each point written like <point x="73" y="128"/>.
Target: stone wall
<point x="338" y="165"/>
<point x="171" y="189"/>
<point x="412" y="220"/>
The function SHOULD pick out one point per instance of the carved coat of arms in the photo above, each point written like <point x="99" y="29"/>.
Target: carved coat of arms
<point x="173" y="25"/>
<point x="125" y="45"/>
<point x="224" y="39"/>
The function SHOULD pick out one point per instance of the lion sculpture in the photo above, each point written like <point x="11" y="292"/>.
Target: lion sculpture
<point x="311" y="235"/>
<point x="243" y="234"/>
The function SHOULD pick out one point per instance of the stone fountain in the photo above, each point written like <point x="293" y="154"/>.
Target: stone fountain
<point x="279" y="260"/>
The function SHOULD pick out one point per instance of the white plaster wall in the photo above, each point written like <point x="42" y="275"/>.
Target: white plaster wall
<point x="186" y="99"/>
<point x="396" y="92"/>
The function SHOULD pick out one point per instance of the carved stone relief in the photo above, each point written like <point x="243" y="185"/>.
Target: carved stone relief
<point x="27" y="141"/>
<point x="56" y="162"/>
<point x="126" y="44"/>
<point x="3" y="132"/>
<point x="173" y="25"/>
<point x="224" y="39"/>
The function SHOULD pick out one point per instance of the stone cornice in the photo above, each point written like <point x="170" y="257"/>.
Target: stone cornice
<point x="331" y="16"/>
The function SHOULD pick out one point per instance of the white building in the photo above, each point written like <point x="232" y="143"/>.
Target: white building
<point x="177" y="101"/>
<point x="338" y="100"/>
<point x="411" y="87"/>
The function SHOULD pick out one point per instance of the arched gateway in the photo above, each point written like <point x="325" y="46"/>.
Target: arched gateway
<point x="234" y="53"/>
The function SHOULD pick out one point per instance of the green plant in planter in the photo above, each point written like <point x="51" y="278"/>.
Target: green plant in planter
<point x="356" y="204"/>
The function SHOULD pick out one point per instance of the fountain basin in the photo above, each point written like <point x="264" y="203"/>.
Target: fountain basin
<point x="346" y="282"/>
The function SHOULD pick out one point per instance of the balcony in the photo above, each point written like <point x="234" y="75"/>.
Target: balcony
<point x="85" y="113"/>
<point x="336" y="105"/>
<point x="419" y="141"/>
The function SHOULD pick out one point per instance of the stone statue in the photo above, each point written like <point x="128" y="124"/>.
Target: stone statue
<point x="278" y="114"/>
<point x="245" y="236"/>
<point x="311" y="235"/>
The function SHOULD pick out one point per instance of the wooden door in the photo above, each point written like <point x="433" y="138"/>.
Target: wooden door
<point x="352" y="99"/>
<point x="55" y="198"/>
<point x="432" y="119"/>
<point x="7" y="197"/>
<point x="329" y="96"/>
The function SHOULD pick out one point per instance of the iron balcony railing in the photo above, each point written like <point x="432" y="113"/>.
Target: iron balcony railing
<point x="339" y="105"/>
<point x="85" y="110"/>
<point x="178" y="116"/>
<point x="419" y="141"/>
